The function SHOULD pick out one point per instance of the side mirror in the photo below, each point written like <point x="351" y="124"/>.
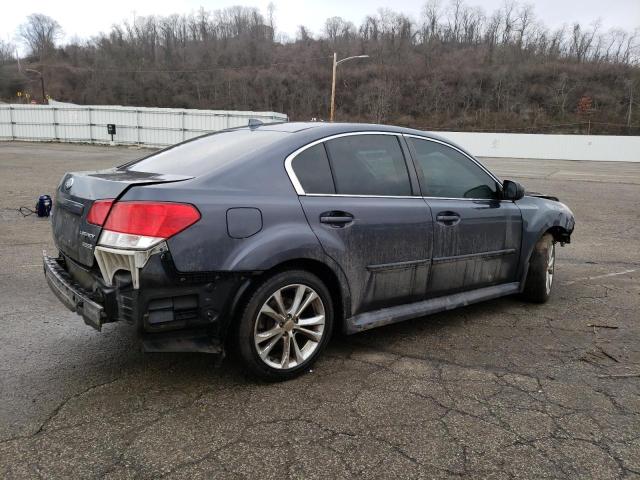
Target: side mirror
<point x="512" y="190"/>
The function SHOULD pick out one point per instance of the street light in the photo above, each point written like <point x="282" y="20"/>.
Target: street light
<point x="44" y="99"/>
<point x="337" y="62"/>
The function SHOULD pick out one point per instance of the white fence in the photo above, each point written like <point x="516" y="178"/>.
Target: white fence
<point x="552" y="147"/>
<point x="166" y="126"/>
<point x="134" y="125"/>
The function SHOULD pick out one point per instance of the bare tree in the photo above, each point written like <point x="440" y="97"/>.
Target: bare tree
<point x="303" y="35"/>
<point x="630" y="84"/>
<point x="582" y="41"/>
<point x="338" y="28"/>
<point x="509" y="14"/>
<point x="40" y="34"/>
<point x="526" y="18"/>
<point x="7" y="52"/>
<point x="431" y="20"/>
<point x="271" y="13"/>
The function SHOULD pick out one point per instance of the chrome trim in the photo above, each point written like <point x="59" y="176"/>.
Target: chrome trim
<point x="469" y="199"/>
<point x="289" y="160"/>
<point x="401" y="196"/>
<point x="357" y="196"/>
<point x="288" y="165"/>
<point x="412" y="135"/>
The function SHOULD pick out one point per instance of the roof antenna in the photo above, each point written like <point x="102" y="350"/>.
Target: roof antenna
<point x="254" y="123"/>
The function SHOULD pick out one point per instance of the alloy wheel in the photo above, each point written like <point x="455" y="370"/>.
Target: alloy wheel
<point x="289" y="326"/>
<point x="551" y="262"/>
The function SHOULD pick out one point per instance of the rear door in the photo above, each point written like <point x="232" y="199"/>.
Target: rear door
<point x="360" y="201"/>
<point x="477" y="236"/>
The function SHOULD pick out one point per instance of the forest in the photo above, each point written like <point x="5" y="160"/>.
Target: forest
<point x="454" y="67"/>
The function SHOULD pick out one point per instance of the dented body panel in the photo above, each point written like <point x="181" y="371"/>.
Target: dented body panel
<point x="539" y="216"/>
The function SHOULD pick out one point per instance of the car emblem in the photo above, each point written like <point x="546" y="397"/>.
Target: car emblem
<point x="68" y="183"/>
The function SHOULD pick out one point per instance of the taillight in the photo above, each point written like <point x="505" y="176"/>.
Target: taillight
<point x="151" y="219"/>
<point x="99" y="211"/>
<point x="140" y="225"/>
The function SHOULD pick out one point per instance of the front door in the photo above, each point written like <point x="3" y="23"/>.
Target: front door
<point x="367" y="218"/>
<point x="477" y="236"/>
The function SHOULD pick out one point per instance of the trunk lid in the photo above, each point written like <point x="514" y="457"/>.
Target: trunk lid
<point x="74" y="197"/>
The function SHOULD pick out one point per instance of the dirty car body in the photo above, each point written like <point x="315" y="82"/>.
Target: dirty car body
<point x="383" y="216"/>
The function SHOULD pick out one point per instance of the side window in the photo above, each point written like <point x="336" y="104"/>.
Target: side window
<point x="368" y="165"/>
<point x="445" y="172"/>
<point x="312" y="169"/>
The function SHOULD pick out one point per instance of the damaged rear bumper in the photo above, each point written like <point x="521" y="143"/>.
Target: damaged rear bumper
<point x="72" y="295"/>
<point x="171" y="311"/>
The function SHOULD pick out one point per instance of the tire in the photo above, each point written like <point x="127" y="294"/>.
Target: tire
<point x="270" y="323"/>
<point x="539" y="283"/>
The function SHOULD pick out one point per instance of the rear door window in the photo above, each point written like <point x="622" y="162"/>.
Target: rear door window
<point x="445" y="172"/>
<point x="312" y="169"/>
<point x="368" y="165"/>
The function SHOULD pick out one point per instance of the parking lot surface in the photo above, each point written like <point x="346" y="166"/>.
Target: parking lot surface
<point x="500" y="389"/>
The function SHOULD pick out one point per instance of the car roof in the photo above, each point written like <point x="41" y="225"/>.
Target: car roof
<point x="311" y="131"/>
<point x="335" y="128"/>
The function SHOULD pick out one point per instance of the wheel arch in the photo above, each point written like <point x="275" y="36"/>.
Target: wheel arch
<point x="541" y="216"/>
<point x="332" y="277"/>
<point x="559" y="234"/>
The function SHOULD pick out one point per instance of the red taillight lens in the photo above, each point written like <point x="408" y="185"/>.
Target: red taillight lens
<point x="99" y="211"/>
<point x="151" y="219"/>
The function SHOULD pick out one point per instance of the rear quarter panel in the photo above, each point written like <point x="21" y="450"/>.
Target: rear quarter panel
<point x="260" y="184"/>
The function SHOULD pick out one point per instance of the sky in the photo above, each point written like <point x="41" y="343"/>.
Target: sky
<point x="85" y="18"/>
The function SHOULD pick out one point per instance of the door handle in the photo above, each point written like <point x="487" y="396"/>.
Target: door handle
<point x="337" y="219"/>
<point x="448" y="218"/>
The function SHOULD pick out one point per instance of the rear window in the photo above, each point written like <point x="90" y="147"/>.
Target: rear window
<point x="206" y="154"/>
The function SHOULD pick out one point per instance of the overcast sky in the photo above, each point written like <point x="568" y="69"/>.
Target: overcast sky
<point x="87" y="18"/>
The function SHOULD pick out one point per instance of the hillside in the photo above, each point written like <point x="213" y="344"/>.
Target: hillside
<point x="454" y="68"/>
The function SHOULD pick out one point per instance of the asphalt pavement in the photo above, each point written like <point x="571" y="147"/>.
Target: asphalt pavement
<point x="501" y="389"/>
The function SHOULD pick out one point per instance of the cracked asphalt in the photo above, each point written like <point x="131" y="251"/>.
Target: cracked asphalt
<point x="502" y="389"/>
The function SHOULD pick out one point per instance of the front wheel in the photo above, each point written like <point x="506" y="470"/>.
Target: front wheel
<point x="541" y="271"/>
<point x="284" y="326"/>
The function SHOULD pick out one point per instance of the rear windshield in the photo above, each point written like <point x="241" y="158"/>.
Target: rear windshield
<point x="207" y="154"/>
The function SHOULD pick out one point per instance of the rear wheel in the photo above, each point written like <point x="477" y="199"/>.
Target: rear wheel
<point x="284" y="326"/>
<point x="541" y="270"/>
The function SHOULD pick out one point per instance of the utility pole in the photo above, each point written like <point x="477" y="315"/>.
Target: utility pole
<point x="337" y="62"/>
<point x="333" y="86"/>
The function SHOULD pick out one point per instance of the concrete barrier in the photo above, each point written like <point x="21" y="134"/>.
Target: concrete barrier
<point x="607" y="148"/>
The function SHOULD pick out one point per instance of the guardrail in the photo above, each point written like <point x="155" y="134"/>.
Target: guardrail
<point x="134" y="125"/>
